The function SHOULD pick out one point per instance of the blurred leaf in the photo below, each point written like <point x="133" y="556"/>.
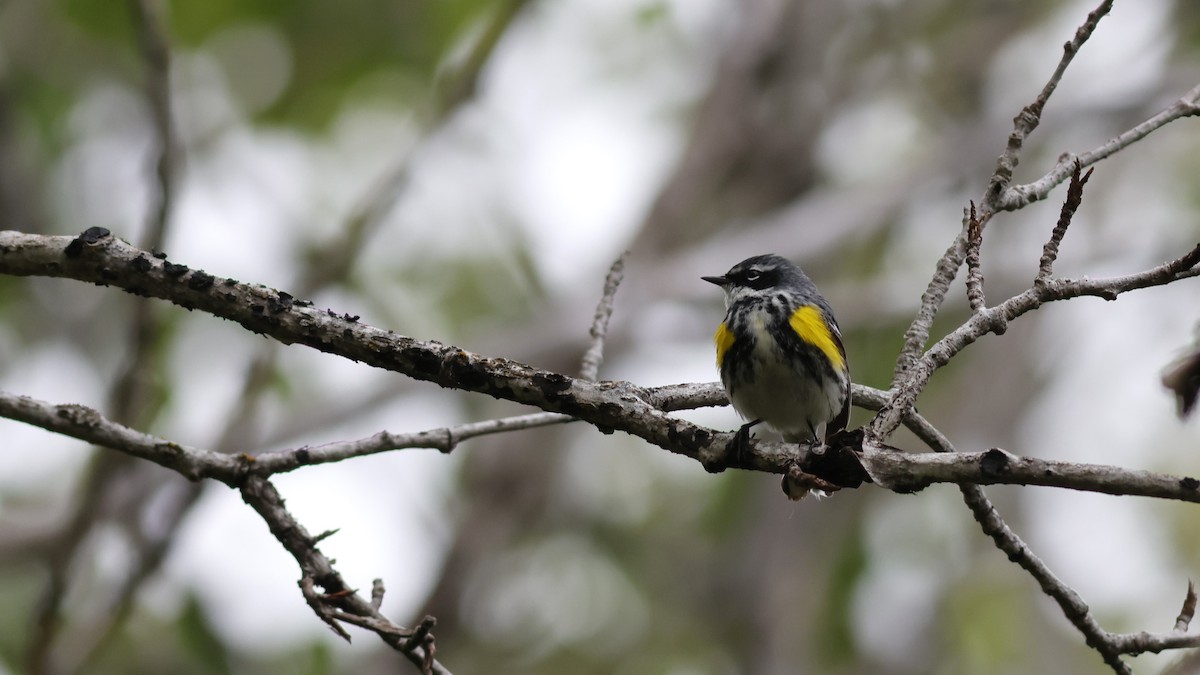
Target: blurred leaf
<point x="104" y="18"/>
<point x="653" y="13"/>
<point x="44" y="102"/>
<point x="468" y="289"/>
<point x="982" y="625"/>
<point x="319" y="660"/>
<point x="199" y="638"/>
<point x="20" y="586"/>
<point x="337" y="46"/>
<point x="837" y="644"/>
<point x="729" y="502"/>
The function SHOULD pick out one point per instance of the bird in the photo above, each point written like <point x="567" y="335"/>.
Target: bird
<point x="780" y="352"/>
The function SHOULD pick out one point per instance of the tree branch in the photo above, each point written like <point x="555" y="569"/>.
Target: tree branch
<point x="590" y="368"/>
<point x="892" y="470"/>
<point x="87" y="424"/>
<point x="1017" y="551"/>
<point x="1018" y="196"/>
<point x="1073" y="607"/>
<point x="995" y="320"/>
<point x="1074" y="199"/>
<point x="109" y="261"/>
<point x="905" y="472"/>
<point x="317" y="569"/>
<point x="917" y="334"/>
<point x="975" y="296"/>
<point x="98" y="257"/>
<point x="1031" y="115"/>
<point x="1015" y="197"/>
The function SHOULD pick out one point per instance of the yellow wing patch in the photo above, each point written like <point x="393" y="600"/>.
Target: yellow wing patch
<point x="724" y="340"/>
<point x="809" y="324"/>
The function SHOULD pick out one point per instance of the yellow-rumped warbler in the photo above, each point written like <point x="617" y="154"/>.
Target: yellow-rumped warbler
<point x="780" y="352"/>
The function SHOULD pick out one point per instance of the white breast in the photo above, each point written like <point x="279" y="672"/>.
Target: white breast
<point x="785" y="398"/>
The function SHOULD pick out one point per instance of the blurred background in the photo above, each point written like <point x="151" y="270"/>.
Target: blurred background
<point x="466" y="171"/>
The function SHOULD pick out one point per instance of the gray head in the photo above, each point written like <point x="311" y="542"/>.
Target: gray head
<point x="761" y="275"/>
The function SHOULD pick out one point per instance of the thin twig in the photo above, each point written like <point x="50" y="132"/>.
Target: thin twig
<point x="1109" y="645"/>
<point x="870" y="398"/>
<point x="995" y="320"/>
<point x="590" y="369"/>
<point x="974" y="272"/>
<point x="1074" y="199"/>
<point x="1188" y="611"/>
<point x="1072" y="606"/>
<point x="1018" y="196"/>
<point x="1145" y="641"/>
<point x="1031" y="115"/>
<point x="377" y="591"/>
<point x="901" y="472"/>
<point x="422" y="632"/>
<point x="317" y="570"/>
<point x="318" y="606"/>
<point x="382" y="627"/>
<point x="443" y="439"/>
<point x="917" y="334"/>
<point x="89" y="425"/>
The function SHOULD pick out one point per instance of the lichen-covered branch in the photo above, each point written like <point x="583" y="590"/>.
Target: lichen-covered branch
<point x="897" y="471"/>
<point x="100" y="258"/>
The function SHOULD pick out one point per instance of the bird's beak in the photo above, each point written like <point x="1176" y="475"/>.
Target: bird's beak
<point x="720" y="281"/>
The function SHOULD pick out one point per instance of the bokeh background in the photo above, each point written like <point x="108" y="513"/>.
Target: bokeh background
<point x="466" y="171"/>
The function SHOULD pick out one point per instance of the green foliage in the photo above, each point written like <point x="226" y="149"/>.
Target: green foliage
<point x="836" y="644"/>
<point x="336" y="46"/>
<point x="728" y="504"/>
<point x="20" y="586"/>
<point x="199" y="640"/>
<point x="102" y="18"/>
<point x="44" y="102"/>
<point x="985" y="627"/>
<point x="469" y="290"/>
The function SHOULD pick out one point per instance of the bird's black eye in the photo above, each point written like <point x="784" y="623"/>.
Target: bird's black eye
<point x="759" y="279"/>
